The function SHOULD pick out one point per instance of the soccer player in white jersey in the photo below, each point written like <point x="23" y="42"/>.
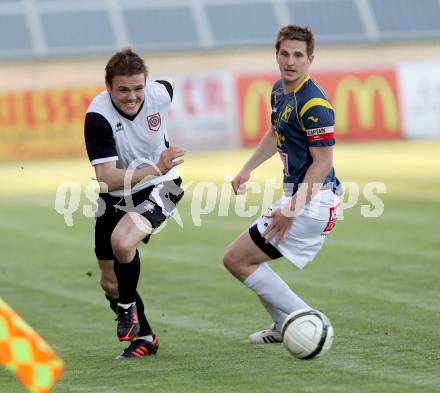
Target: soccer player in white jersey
<point x="296" y="226"/>
<point x="127" y="144"/>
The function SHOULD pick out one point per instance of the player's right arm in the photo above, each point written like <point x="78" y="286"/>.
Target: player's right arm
<point x="101" y="149"/>
<point x="265" y="149"/>
<point x="115" y="178"/>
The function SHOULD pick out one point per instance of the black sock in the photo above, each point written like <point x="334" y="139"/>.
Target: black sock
<point x="144" y="328"/>
<point x="128" y="276"/>
<point x="113" y="303"/>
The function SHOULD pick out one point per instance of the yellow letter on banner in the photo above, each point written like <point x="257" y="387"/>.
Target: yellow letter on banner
<point x="26" y="354"/>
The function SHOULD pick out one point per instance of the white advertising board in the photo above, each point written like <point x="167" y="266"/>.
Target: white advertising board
<point x="204" y="112"/>
<point x="419" y="85"/>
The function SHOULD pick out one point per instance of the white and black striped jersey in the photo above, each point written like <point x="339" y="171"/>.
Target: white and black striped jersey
<point x="111" y="135"/>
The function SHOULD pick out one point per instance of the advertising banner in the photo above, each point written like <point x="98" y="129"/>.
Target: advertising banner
<point x="420" y="99"/>
<point x="49" y="123"/>
<point x="43" y="123"/>
<point x="223" y="109"/>
<point x="366" y="104"/>
<point x="203" y="113"/>
<point x="254" y="106"/>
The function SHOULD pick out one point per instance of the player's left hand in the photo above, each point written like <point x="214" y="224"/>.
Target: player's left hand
<point x="278" y="229"/>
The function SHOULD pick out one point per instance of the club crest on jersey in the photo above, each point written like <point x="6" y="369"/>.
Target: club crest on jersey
<point x="154" y="122"/>
<point x="286" y="114"/>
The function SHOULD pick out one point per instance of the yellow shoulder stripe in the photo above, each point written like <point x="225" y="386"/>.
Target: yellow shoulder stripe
<point x="297" y="88"/>
<point x="314" y="102"/>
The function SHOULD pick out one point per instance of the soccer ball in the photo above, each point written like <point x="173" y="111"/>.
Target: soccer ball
<point x="307" y="333"/>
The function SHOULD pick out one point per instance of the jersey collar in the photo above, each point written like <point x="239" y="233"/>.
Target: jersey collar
<point x="131" y="118"/>
<point x="297" y="88"/>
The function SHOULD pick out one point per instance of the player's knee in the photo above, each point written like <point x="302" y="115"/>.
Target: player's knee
<point x="230" y="259"/>
<point x="121" y="245"/>
<point x="110" y="287"/>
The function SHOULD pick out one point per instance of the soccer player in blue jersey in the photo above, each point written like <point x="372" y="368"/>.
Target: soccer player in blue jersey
<point x="302" y="132"/>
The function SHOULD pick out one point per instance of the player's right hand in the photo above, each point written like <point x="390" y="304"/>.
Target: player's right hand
<point x="238" y="182"/>
<point x="169" y="159"/>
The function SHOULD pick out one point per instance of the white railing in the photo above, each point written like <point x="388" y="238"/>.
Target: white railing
<point x="31" y="12"/>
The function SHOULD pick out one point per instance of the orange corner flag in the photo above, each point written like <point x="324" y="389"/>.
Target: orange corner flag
<point x="26" y="354"/>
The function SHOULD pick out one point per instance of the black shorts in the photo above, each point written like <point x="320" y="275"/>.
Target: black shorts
<point x="143" y="202"/>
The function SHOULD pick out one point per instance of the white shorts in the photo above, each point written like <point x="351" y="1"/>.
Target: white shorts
<point x="308" y="232"/>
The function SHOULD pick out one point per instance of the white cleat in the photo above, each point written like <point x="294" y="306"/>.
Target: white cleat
<point x="268" y="336"/>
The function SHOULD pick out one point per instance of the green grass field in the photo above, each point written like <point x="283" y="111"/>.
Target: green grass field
<point x="377" y="279"/>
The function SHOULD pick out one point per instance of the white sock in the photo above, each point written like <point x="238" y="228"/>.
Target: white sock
<point x="276" y="296"/>
<point x="126" y="305"/>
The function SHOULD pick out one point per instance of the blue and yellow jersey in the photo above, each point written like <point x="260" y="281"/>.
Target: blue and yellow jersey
<point x="301" y="119"/>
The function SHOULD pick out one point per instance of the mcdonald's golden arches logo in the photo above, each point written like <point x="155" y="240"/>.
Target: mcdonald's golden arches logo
<point x="366" y="106"/>
<point x="254" y="98"/>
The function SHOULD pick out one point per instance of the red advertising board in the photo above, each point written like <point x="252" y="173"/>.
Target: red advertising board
<point x="254" y="106"/>
<point x="43" y="123"/>
<point x="366" y="104"/>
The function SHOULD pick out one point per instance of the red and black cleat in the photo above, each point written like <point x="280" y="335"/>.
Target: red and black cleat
<point x="139" y="348"/>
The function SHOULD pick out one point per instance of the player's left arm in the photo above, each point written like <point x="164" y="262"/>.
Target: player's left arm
<point x="314" y="177"/>
<point x="318" y="122"/>
<point x="282" y="219"/>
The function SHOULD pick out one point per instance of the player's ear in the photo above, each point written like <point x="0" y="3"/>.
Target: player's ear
<point x="108" y="87"/>
<point x="311" y="58"/>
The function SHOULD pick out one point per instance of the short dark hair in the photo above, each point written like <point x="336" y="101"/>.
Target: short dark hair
<point x="124" y="62"/>
<point x="296" y="32"/>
